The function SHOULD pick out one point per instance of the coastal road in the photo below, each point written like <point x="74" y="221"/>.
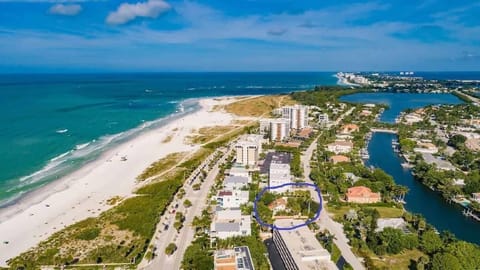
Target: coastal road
<point x="183" y="239"/>
<point x="325" y="221"/>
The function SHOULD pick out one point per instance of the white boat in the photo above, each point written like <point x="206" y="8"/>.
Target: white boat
<point x="60" y="131"/>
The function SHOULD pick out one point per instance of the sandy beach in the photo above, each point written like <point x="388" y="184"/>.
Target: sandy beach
<point x="84" y="193"/>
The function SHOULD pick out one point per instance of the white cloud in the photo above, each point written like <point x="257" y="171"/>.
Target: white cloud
<point x="128" y="12"/>
<point x="66" y="10"/>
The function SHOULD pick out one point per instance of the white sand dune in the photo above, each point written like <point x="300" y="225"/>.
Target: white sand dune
<point x="84" y="193"/>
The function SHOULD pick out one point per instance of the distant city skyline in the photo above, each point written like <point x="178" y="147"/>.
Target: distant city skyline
<point x="243" y="35"/>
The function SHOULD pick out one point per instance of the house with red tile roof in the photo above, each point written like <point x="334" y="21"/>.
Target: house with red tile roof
<point x="362" y="194"/>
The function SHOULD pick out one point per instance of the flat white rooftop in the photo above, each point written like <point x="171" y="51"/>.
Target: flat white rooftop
<point x="303" y="246"/>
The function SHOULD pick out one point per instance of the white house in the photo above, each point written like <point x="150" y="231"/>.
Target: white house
<point x="232" y="198"/>
<point x="235" y="182"/>
<point x="323" y="119"/>
<point x="279" y="174"/>
<point x="229" y="223"/>
<point x="239" y="171"/>
<point x="340" y="147"/>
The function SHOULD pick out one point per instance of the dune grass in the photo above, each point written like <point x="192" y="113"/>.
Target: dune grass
<point x="258" y="106"/>
<point x="162" y="165"/>
<point x="207" y="134"/>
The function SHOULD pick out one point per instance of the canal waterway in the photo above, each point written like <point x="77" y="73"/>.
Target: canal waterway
<point x="420" y="199"/>
<point x="398" y="102"/>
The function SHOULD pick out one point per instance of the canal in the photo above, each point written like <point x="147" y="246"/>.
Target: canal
<point x="420" y="199"/>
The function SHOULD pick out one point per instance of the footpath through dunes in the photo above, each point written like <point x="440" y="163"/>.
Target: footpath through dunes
<point x="83" y="197"/>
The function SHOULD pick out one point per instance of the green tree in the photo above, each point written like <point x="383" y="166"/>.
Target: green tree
<point x="430" y="242"/>
<point x="187" y="203"/>
<point x="197" y="255"/>
<point x="445" y="261"/>
<point x="170" y="249"/>
<point x="468" y="254"/>
<point x="457" y="141"/>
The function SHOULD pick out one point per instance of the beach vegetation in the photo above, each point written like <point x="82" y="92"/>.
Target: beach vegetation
<point x="257" y="106"/>
<point x="88" y="233"/>
<point x="198" y="255"/>
<point x="162" y="165"/>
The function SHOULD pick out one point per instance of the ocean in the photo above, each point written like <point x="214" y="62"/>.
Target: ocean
<point x="54" y="124"/>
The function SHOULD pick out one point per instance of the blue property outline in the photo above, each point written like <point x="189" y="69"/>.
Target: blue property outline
<point x="273" y="226"/>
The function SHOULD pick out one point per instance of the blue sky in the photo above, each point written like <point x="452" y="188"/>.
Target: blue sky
<point x="238" y="35"/>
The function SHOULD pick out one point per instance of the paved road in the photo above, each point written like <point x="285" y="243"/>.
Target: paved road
<point x="325" y="221"/>
<point x="186" y="235"/>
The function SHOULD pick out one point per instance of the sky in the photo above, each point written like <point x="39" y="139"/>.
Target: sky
<point x="238" y="35"/>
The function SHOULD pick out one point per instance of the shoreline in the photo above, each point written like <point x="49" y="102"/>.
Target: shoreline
<point x="80" y="194"/>
<point x="128" y="135"/>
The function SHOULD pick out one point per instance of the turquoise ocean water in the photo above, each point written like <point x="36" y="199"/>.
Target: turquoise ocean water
<point x="54" y="124"/>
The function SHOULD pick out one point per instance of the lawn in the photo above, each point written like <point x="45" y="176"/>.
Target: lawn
<point x="385" y="212"/>
<point x="398" y="261"/>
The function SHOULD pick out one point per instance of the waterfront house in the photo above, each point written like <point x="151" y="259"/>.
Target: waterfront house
<point x="340" y="147"/>
<point x="365" y="113"/>
<point x="339" y="159"/>
<point x="439" y="163"/>
<point x="362" y="194"/>
<point x="476" y="197"/>
<point x="238" y="258"/>
<point x="349" y="129"/>
<point x="412" y="118"/>
<point x="426" y="147"/>
<point x="396" y="223"/>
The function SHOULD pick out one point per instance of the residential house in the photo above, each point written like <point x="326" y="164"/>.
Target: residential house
<point x="235" y="182"/>
<point x="279" y="204"/>
<point x="426" y="147"/>
<point x="323" y="119"/>
<point x="476" y="197"/>
<point x="412" y="118"/>
<point x="230" y="223"/>
<point x="349" y="129"/>
<point x="340" y="147"/>
<point x="232" y="198"/>
<point x="339" y="159"/>
<point x="238" y="258"/>
<point x="362" y="194"/>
